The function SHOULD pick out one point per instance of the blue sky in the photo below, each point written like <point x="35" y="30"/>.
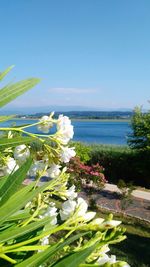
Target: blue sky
<point x="90" y="53"/>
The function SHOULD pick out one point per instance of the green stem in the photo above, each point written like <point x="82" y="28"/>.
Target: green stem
<point x="5" y="257"/>
<point x="30" y="125"/>
<point x="45" y="233"/>
<point x="29" y="248"/>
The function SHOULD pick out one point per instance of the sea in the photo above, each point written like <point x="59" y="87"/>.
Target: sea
<point x="89" y="131"/>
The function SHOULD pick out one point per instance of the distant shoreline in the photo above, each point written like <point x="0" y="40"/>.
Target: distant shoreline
<point x="80" y="119"/>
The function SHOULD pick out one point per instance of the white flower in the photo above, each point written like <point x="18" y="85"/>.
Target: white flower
<point x="97" y="221"/>
<point x="104" y="258"/>
<point x="36" y="167"/>
<point x="82" y="207"/>
<point x="45" y="124"/>
<point x="52" y="213"/>
<point x="65" y="129"/>
<point x="67" y="153"/>
<point x="88" y="216"/>
<point x="53" y="171"/>
<point x="63" y="121"/>
<point x="10" y="165"/>
<point x="70" y="193"/>
<point x="111" y="223"/>
<point x="21" y="153"/>
<point x="68" y="208"/>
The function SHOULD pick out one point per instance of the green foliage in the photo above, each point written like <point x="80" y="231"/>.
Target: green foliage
<point x="122" y="162"/>
<point x="25" y="211"/>
<point x="140" y="124"/>
<point x="126" y="191"/>
<point x="13" y="142"/>
<point x="14" y="181"/>
<point x="82" y="151"/>
<point x="11" y="91"/>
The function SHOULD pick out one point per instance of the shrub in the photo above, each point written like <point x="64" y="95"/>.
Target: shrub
<point x="122" y="163"/>
<point x="83" y="175"/>
<point x="82" y="151"/>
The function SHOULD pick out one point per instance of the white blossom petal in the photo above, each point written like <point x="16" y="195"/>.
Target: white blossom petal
<point x="21" y="153"/>
<point x="53" y="171"/>
<point x="67" y="153"/>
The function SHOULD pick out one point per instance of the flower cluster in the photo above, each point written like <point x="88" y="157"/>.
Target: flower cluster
<point x="86" y="175"/>
<point x="44" y="165"/>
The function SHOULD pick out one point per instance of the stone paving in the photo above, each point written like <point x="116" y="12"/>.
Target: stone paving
<point x="111" y="201"/>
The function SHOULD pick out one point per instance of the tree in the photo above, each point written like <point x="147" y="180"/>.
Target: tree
<point x="140" y="124"/>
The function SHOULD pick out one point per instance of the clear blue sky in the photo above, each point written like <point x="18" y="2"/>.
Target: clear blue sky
<point x="92" y="53"/>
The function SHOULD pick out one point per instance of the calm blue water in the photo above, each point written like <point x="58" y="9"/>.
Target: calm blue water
<point x="103" y="132"/>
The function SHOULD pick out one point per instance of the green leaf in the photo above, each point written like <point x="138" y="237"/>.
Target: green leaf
<point x="9" y="234"/>
<point x="11" y="91"/>
<point x="37" y="259"/>
<point x="20" y="215"/>
<point x="4" y="73"/>
<point x="19" y="200"/>
<point x="89" y="265"/>
<point x="12" y="205"/>
<point x="12" y="142"/>
<point x="14" y="181"/>
<point x="74" y="259"/>
<point x="3" y="180"/>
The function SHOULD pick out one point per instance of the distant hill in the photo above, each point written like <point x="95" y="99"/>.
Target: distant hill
<point x="9" y="109"/>
<point x="87" y="114"/>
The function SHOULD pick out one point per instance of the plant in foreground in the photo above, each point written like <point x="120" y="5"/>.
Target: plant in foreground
<point x="46" y="225"/>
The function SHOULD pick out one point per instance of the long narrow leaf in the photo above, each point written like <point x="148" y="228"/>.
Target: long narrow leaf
<point x="3" y="180"/>
<point x="20" y="215"/>
<point x="19" y="200"/>
<point x="14" y="181"/>
<point x="12" y="142"/>
<point x="10" y="92"/>
<point x="11" y="206"/>
<point x="18" y="231"/>
<point x="75" y="259"/>
<point x="37" y="259"/>
<point x="4" y="73"/>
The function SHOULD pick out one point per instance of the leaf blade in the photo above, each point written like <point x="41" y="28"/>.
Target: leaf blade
<point x="12" y="91"/>
<point x="13" y="182"/>
<point x="5" y="142"/>
<point x="5" y="72"/>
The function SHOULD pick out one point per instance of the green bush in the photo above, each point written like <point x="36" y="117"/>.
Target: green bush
<point x="140" y="124"/>
<point x="82" y="151"/>
<point x="122" y="163"/>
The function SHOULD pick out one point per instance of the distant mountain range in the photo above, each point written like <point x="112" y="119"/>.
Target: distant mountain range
<point x="47" y="109"/>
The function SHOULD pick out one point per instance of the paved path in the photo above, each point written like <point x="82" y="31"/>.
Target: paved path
<point x="109" y="199"/>
<point x="136" y="193"/>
